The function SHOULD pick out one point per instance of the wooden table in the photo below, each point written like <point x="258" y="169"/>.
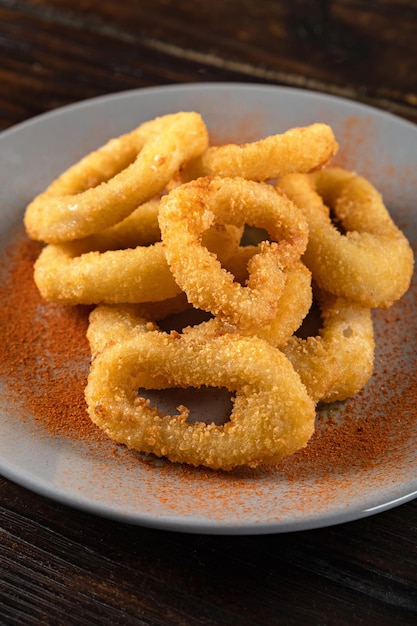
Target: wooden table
<point x="63" y="566"/>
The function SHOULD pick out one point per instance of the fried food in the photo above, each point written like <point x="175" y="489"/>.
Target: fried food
<point x="100" y="268"/>
<point x="190" y="209"/>
<point x="158" y="229"/>
<point x="140" y="228"/>
<point x="337" y="362"/>
<point x="66" y="274"/>
<point x="371" y="262"/>
<point x="110" y="323"/>
<point x="108" y="184"/>
<point x="272" y="413"/>
<point x="297" y="150"/>
<point x="292" y="307"/>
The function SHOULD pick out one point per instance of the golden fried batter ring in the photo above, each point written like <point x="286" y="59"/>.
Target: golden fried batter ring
<point x="297" y="150"/>
<point x="140" y="228"/>
<point x="372" y="263"/>
<point x="65" y="274"/>
<point x="294" y="303"/>
<point x="337" y="362"/>
<point x="292" y="307"/>
<point x="91" y="271"/>
<point x="272" y="414"/>
<point x="109" y="183"/>
<point x="109" y="323"/>
<point x="189" y="210"/>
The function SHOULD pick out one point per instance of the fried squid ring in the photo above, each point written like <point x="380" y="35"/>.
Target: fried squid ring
<point x="272" y="414"/>
<point x="337" y="362"/>
<point x="72" y="274"/>
<point x="140" y="228"/>
<point x="109" y="183"/>
<point x="66" y="275"/>
<point x="292" y="308"/>
<point x="297" y="150"/>
<point x="294" y="303"/>
<point x="372" y="263"/>
<point x="109" y="323"/>
<point x="187" y="211"/>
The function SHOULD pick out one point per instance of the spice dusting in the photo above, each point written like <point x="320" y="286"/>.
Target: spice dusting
<point x="44" y="354"/>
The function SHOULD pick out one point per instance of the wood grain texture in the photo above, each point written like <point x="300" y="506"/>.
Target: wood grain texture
<point x="65" y="566"/>
<point x="60" y="566"/>
<point x="365" y="51"/>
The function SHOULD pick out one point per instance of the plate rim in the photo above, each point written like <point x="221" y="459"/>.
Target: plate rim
<point x="206" y="86"/>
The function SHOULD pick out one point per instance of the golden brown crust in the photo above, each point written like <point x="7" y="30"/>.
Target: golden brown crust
<point x="372" y="263"/>
<point x="272" y="415"/>
<point x="108" y="184"/>
<point x="297" y="150"/>
<point x="187" y="211"/>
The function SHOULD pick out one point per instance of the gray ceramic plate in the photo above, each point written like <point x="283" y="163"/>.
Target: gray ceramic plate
<point x="374" y="143"/>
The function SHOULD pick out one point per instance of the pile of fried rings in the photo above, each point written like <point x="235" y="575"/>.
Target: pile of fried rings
<point x="257" y="236"/>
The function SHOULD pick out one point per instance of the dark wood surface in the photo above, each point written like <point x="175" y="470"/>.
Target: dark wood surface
<point x="63" y="566"/>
